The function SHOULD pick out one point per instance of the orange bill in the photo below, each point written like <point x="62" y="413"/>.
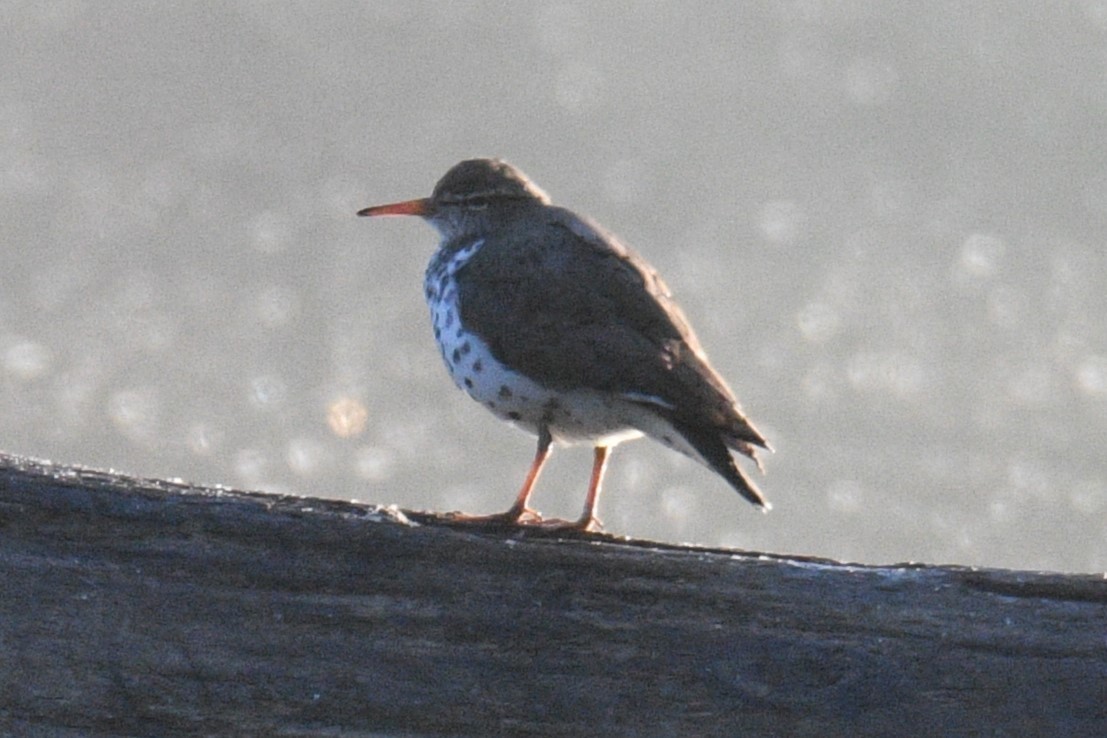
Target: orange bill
<point x="409" y="207"/>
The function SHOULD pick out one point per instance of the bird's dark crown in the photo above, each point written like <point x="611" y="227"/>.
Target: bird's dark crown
<point x="480" y="181"/>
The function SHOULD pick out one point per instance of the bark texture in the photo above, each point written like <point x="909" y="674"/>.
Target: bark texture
<point x="145" y="607"/>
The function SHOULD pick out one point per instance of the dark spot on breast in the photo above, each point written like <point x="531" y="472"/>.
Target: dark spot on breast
<point x="456" y="356"/>
<point x="469" y="383"/>
<point x="466" y="348"/>
<point x="668" y="440"/>
<point x="460" y="332"/>
<point x="449" y="318"/>
<point x="478" y="366"/>
<point x="437" y="332"/>
<point x="505" y="392"/>
<point x="514" y="415"/>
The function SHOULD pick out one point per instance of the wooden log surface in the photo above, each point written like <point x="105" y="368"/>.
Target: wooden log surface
<point x="147" y="607"/>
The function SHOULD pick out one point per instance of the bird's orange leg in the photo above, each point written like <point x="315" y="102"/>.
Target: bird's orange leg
<point x="588" y="519"/>
<point x="518" y="513"/>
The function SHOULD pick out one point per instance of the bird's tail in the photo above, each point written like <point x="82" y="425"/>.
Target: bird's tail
<point x="713" y="449"/>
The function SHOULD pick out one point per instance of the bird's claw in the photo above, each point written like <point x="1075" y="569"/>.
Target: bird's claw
<point x="589" y="524"/>
<point x="525" y="516"/>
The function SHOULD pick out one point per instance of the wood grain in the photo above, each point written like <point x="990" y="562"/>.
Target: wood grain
<point x="144" y="607"/>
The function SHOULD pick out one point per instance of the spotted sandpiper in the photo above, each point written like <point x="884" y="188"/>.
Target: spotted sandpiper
<point x="555" y="326"/>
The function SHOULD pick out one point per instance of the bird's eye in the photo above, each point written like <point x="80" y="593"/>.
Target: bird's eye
<point x="476" y="203"/>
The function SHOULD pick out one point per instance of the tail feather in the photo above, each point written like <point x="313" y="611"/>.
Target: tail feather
<point x="714" y="450"/>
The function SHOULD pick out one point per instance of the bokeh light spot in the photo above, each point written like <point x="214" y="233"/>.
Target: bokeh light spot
<point x="251" y="465"/>
<point x="1091" y="376"/>
<point x="980" y="256"/>
<point x="374" y="463"/>
<point x="818" y="321"/>
<point x="202" y="439"/>
<point x="347" y="417"/>
<point x="26" y="360"/>
<point x="844" y="496"/>
<point x="781" y="222"/>
<point x="275" y="306"/>
<point x="271" y="232"/>
<point x="305" y="456"/>
<point x="134" y="412"/>
<point x="267" y="391"/>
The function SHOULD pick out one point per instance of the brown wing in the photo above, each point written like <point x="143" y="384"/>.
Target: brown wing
<point x="570" y="306"/>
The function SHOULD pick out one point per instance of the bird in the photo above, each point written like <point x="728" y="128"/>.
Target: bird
<point x="557" y="327"/>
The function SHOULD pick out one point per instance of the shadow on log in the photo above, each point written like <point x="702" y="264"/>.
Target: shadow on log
<point x="145" y="607"/>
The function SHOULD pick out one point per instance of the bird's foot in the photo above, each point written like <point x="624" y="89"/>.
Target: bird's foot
<point x="584" y="524"/>
<point x="529" y="518"/>
<point x="512" y="517"/>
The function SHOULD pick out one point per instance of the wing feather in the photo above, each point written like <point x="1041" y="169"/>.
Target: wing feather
<point x="616" y="328"/>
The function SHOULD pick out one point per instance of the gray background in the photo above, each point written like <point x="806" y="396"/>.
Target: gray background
<point x="886" y="221"/>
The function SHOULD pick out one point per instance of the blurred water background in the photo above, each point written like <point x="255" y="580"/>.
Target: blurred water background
<point x="887" y="221"/>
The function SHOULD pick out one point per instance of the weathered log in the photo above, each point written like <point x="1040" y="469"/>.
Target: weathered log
<point x="146" y="607"/>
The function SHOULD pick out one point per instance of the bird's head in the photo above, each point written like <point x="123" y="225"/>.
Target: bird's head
<point x="467" y="196"/>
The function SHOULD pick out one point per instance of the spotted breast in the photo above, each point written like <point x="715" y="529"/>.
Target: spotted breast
<point x="571" y="417"/>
